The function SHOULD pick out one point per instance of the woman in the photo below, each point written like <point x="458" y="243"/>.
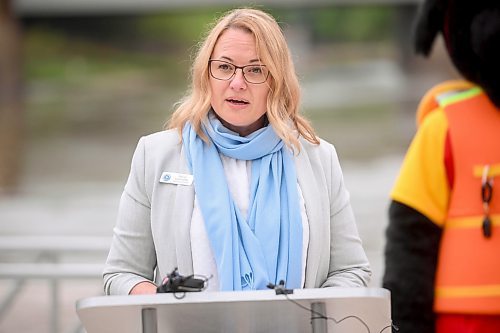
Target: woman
<point x="239" y="187"/>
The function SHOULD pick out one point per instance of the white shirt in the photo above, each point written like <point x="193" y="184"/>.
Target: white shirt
<point x="238" y="175"/>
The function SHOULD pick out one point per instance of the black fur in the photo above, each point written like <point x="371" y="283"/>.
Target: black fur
<point x="485" y="43"/>
<point x="410" y="265"/>
<point x="471" y="29"/>
<point x="429" y="24"/>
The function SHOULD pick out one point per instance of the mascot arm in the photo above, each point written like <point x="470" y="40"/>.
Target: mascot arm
<point x="410" y="266"/>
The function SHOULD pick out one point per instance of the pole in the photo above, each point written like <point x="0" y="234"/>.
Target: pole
<point x="318" y="318"/>
<point x="149" y="321"/>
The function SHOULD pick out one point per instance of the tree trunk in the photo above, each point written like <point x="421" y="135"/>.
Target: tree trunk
<point x="11" y="106"/>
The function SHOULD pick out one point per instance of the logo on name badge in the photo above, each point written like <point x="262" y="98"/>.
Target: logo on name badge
<point x="176" y="178"/>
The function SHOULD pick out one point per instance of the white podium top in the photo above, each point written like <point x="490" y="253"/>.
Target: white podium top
<point x="351" y="310"/>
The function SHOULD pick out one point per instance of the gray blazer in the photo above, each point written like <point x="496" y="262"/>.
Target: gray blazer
<point x="152" y="233"/>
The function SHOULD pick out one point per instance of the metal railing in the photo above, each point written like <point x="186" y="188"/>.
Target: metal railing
<point x="51" y="258"/>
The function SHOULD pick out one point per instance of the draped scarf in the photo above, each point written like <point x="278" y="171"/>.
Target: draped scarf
<point x="266" y="245"/>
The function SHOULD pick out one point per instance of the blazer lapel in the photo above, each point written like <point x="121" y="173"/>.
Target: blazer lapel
<point x="184" y="203"/>
<point x="315" y="210"/>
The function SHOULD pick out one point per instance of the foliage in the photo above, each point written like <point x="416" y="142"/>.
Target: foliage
<point x="352" y="24"/>
<point x="342" y="23"/>
<point x="156" y="42"/>
<point x="92" y="73"/>
<point x="53" y="55"/>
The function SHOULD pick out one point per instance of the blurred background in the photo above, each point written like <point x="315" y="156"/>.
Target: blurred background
<point x="81" y="81"/>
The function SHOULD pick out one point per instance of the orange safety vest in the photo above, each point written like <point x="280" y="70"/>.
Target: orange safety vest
<point x="468" y="271"/>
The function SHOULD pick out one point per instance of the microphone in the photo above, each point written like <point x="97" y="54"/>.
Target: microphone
<point x="280" y="288"/>
<point x="174" y="282"/>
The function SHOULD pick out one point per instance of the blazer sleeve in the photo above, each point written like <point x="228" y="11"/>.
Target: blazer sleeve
<point x="349" y="266"/>
<point x="132" y="257"/>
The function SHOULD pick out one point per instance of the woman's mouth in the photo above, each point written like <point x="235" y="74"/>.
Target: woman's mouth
<point x="237" y="101"/>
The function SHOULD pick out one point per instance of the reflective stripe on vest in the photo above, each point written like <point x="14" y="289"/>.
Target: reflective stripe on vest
<point x="468" y="272"/>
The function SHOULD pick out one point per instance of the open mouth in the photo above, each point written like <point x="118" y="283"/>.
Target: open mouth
<point x="237" y="101"/>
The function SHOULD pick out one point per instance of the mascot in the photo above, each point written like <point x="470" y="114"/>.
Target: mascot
<point x="442" y="257"/>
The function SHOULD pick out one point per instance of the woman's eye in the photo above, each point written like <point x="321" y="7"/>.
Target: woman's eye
<point x="255" y="70"/>
<point x="224" y="67"/>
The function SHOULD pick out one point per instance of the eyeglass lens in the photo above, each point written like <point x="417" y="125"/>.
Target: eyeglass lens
<point x="222" y="70"/>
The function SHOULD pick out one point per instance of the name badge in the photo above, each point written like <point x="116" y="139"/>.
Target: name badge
<point x="176" y="178"/>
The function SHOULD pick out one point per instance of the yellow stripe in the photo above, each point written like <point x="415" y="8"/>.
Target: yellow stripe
<point x="493" y="172"/>
<point x="428" y="102"/>
<point x="461" y="96"/>
<point x="479" y="291"/>
<point x="472" y="222"/>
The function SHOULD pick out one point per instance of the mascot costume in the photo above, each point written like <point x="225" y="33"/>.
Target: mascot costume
<point x="442" y="257"/>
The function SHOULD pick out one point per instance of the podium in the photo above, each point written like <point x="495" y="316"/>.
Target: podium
<point x="338" y="310"/>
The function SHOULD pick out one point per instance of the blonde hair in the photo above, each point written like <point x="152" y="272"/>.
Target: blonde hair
<point x="284" y="95"/>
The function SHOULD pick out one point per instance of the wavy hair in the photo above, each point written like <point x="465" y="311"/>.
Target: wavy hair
<point x="284" y="95"/>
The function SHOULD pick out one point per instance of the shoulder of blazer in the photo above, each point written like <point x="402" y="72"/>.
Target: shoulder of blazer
<point x="162" y="152"/>
<point x="322" y="152"/>
<point x="161" y="146"/>
<point x="165" y="139"/>
<point x="316" y="161"/>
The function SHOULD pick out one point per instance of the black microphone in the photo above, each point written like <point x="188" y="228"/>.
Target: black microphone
<point x="174" y="282"/>
<point x="280" y="288"/>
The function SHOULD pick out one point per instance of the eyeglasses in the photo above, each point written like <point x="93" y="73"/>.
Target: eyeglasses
<point x="223" y="70"/>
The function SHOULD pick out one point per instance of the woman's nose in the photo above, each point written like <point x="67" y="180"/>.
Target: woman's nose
<point x="238" y="81"/>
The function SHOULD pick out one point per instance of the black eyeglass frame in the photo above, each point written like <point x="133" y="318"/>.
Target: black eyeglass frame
<point x="235" y="69"/>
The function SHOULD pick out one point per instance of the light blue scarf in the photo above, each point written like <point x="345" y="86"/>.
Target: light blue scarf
<point x="265" y="246"/>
